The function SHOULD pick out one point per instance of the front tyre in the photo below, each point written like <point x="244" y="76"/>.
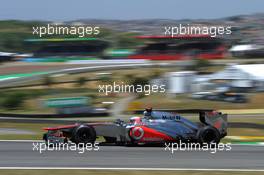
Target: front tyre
<point x="84" y="134"/>
<point x="45" y="138"/>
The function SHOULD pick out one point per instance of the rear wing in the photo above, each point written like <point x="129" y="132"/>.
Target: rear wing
<point x="215" y="119"/>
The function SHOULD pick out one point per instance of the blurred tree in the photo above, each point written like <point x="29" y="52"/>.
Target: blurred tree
<point x="81" y="81"/>
<point x="140" y="81"/>
<point x="156" y="73"/>
<point x="13" y="101"/>
<point x="127" y="40"/>
<point x="47" y="81"/>
<point x="199" y="65"/>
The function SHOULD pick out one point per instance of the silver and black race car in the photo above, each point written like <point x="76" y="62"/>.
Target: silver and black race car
<point x="153" y="127"/>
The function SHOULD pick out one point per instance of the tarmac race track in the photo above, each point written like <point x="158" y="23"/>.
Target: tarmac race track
<point x="21" y="154"/>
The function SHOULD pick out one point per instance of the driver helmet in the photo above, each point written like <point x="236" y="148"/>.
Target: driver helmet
<point x="147" y="112"/>
<point x="135" y="120"/>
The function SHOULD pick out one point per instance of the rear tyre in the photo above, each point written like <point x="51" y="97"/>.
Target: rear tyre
<point x="208" y="135"/>
<point x="84" y="134"/>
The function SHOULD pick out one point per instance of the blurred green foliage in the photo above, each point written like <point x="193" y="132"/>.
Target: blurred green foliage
<point x="14" y="32"/>
<point x="81" y="81"/>
<point x="13" y="101"/>
<point x="199" y="65"/>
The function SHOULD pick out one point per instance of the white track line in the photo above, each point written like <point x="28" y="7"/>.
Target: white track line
<point x="133" y="169"/>
<point x="108" y="102"/>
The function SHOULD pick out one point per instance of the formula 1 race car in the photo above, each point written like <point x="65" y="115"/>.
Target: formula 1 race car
<point x="153" y="127"/>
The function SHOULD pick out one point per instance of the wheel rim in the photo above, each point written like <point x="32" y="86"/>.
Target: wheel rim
<point x="84" y="135"/>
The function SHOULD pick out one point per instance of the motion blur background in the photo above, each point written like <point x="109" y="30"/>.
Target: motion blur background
<point x="57" y="77"/>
